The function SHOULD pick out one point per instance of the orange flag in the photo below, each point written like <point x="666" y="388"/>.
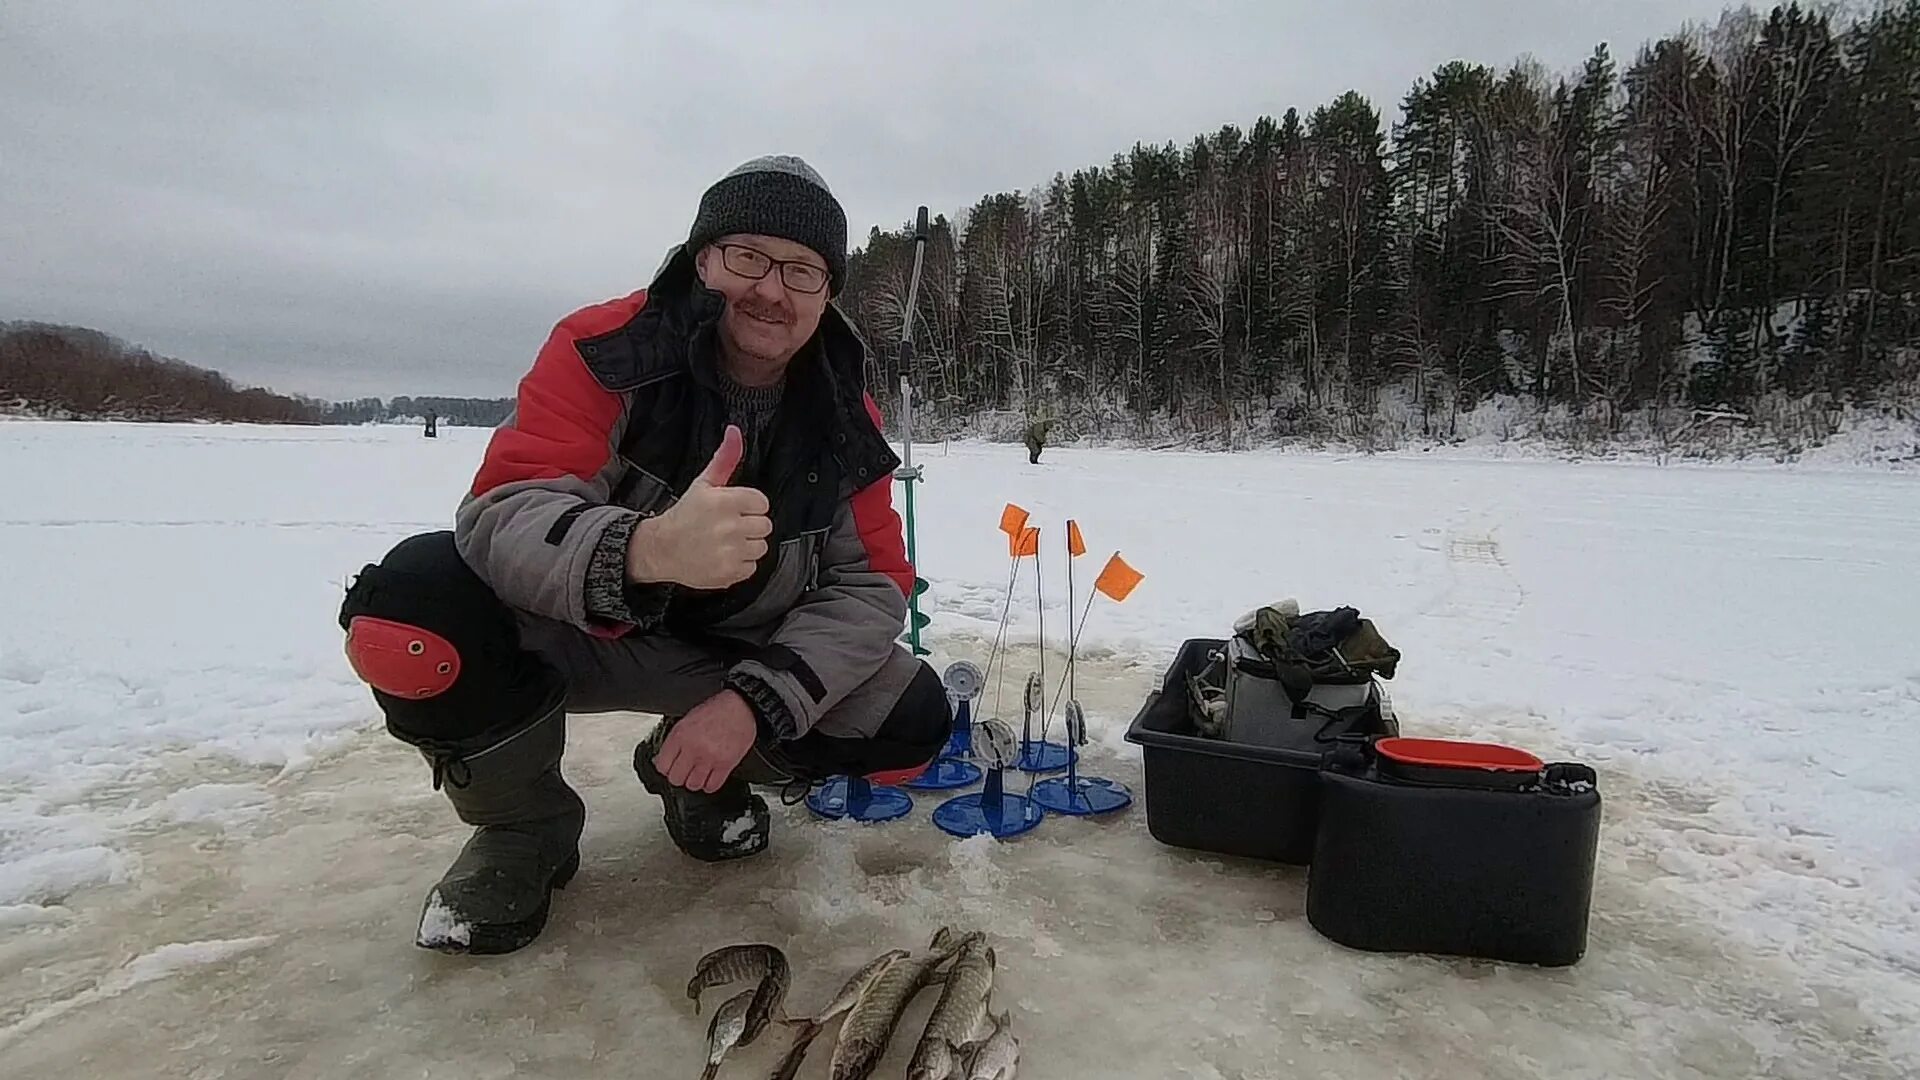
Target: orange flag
<point x="1027" y="543"/>
<point x="1012" y="520"/>
<point x="1117" y="579"/>
<point x="1076" y="545"/>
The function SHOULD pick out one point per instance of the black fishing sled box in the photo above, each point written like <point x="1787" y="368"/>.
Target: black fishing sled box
<point x="1454" y="848"/>
<point x="1258" y="800"/>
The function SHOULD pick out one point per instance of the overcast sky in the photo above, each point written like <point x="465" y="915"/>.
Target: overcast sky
<point x="346" y="199"/>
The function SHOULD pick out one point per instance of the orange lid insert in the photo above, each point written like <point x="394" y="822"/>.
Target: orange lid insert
<point x="1454" y="754"/>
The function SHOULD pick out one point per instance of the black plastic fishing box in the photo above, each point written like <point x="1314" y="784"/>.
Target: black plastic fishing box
<point x="1454" y="848"/>
<point x="1415" y="845"/>
<point x="1255" y="801"/>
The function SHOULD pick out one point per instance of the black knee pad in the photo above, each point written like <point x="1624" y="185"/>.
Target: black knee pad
<point x="440" y="651"/>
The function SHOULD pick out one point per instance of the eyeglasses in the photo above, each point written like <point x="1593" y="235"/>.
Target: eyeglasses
<point x="754" y="264"/>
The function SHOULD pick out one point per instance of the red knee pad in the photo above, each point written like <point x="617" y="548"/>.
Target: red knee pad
<point x="401" y="660"/>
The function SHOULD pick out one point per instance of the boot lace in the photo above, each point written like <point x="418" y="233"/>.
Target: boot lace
<point x="448" y="766"/>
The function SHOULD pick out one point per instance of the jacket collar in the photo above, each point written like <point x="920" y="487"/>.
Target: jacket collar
<point x="676" y="333"/>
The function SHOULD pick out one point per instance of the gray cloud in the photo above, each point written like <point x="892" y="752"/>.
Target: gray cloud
<point x="377" y="198"/>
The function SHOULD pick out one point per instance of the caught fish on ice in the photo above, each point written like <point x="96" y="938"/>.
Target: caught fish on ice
<point x="996" y="1057"/>
<point x="960" y="1015"/>
<point x="870" y="1024"/>
<point x="809" y="1028"/>
<point x="963" y="1038"/>
<point x="725" y="1031"/>
<point x="733" y="963"/>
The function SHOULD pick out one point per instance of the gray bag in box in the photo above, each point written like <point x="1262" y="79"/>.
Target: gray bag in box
<point x="1260" y="713"/>
<point x="1261" y="689"/>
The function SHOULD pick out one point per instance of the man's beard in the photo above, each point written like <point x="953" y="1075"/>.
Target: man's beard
<point x="748" y="346"/>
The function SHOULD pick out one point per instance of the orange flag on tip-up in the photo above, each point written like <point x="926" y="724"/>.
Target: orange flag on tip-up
<point x="1118" y="580"/>
<point x="1076" y="545"/>
<point x="1012" y="520"/>
<point x="1027" y="543"/>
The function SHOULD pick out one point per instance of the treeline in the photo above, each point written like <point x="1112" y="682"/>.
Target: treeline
<point x="1730" y="219"/>
<point x="468" y="412"/>
<point x="73" y="372"/>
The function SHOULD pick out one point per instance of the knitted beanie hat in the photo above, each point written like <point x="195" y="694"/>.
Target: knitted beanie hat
<point x="778" y="195"/>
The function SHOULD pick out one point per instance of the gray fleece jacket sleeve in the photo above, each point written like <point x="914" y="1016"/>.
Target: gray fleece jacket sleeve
<point x="842" y="631"/>
<point x="536" y="525"/>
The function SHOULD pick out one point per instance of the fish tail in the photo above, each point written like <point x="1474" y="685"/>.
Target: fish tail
<point x="712" y="1070"/>
<point x="797" y="1053"/>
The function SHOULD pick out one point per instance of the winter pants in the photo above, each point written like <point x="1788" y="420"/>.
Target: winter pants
<point x="509" y="660"/>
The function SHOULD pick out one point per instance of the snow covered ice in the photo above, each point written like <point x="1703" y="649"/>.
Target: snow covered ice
<point x="213" y="859"/>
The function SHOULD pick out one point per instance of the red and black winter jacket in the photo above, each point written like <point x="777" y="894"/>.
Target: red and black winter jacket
<point x="620" y="411"/>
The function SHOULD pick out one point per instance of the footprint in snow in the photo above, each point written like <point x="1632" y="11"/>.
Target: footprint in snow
<point x="19" y="669"/>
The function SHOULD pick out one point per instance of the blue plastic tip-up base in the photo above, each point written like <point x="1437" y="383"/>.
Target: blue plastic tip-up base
<point x="1037" y="756"/>
<point x="1084" y="795"/>
<point x="859" y="799"/>
<point x="976" y="813"/>
<point x="960" y="743"/>
<point x="943" y="774"/>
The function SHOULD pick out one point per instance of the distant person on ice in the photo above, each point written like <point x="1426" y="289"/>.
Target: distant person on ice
<point x="1037" y="439"/>
<point x="689" y="513"/>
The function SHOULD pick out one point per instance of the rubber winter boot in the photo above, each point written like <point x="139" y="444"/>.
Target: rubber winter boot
<point x="496" y="895"/>
<point x="718" y="826"/>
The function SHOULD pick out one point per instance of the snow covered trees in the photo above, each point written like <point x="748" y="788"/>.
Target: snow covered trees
<point x="1733" y="212"/>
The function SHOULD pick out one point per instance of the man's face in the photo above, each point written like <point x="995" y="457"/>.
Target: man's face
<point x="768" y="316"/>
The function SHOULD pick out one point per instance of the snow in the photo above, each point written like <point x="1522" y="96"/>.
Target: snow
<point x="185" y="757"/>
<point x="163" y="962"/>
<point x="737" y="829"/>
<point x="440" y="924"/>
<point x="226" y="805"/>
<point x="46" y="876"/>
<point x="31" y="914"/>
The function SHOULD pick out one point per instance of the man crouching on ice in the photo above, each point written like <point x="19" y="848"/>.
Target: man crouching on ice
<point x="689" y="513"/>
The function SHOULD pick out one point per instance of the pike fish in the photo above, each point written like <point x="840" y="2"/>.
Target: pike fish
<point x="997" y="1056"/>
<point x="958" y="1017"/>
<point x="809" y="1028"/>
<point x="724" y="1033"/>
<point x="731" y="964"/>
<point x="869" y="1026"/>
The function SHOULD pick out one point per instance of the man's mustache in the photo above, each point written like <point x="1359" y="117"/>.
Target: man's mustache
<point x="770" y="312"/>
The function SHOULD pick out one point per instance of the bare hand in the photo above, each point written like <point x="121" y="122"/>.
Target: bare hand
<point x="713" y="537"/>
<point x="704" y="747"/>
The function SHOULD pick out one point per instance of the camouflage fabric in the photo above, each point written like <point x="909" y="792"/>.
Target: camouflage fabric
<point x="1328" y="644"/>
<point x="1335" y="646"/>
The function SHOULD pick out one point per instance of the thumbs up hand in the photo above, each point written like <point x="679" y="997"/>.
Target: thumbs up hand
<point x="713" y="537"/>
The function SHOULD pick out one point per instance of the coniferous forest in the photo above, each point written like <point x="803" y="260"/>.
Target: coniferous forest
<point x="1724" y="223"/>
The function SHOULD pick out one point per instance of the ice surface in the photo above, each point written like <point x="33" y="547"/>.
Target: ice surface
<point x="165" y="961"/>
<point x="181" y="956"/>
<point x="185" y="757"/>
<point x="30" y="914"/>
<point x="218" y="804"/>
